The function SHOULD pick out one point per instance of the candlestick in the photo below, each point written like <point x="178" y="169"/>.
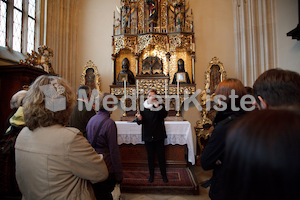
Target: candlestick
<point x="124" y="114"/>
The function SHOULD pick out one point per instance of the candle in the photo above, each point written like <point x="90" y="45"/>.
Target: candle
<point x="137" y="89"/>
<point x="168" y="47"/>
<point x="113" y="46"/>
<point x="166" y="89"/>
<point x="125" y="91"/>
<point x="178" y="94"/>
<point x="136" y="49"/>
<point x="193" y="46"/>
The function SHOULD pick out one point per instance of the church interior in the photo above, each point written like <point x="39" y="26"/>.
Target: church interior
<point x="127" y="47"/>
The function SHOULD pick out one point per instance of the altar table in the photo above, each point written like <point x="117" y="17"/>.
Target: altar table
<point x="179" y="136"/>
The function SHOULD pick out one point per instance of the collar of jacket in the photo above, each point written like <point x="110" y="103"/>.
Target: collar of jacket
<point x="104" y="112"/>
<point x="147" y="104"/>
<point x="221" y="115"/>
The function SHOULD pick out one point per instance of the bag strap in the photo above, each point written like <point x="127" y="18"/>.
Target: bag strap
<point x="97" y="132"/>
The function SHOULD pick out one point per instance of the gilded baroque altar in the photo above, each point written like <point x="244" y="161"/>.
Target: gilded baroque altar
<point x="153" y="35"/>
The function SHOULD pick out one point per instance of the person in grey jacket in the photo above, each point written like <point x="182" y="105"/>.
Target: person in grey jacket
<point x="53" y="161"/>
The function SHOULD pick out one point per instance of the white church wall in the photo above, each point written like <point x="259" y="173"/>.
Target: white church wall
<point x="288" y="49"/>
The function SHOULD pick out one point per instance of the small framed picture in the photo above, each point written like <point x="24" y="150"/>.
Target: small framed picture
<point x="181" y="77"/>
<point x="123" y="77"/>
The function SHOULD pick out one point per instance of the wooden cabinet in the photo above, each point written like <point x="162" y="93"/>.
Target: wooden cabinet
<point x="12" y="79"/>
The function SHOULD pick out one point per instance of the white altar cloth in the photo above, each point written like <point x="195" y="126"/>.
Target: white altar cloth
<point x="178" y="132"/>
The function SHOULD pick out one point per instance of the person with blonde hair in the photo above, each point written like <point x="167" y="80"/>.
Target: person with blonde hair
<point x="54" y="161"/>
<point x="213" y="154"/>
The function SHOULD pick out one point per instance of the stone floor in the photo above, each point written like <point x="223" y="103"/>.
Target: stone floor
<point x="201" y="177"/>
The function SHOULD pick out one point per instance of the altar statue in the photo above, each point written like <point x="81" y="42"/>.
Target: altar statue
<point x="152" y="12"/>
<point x="125" y="74"/>
<point x="125" y="17"/>
<point x="181" y="75"/>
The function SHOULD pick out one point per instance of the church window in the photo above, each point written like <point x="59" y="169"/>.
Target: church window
<point x="18" y="31"/>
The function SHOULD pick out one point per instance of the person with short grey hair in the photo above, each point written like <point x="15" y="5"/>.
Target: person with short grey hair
<point x="17" y="99"/>
<point x="15" y="118"/>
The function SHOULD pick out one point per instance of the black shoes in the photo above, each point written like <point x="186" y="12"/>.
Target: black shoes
<point x="151" y="179"/>
<point x="165" y="179"/>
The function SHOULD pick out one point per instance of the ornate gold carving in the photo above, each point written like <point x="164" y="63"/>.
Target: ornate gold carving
<point x="172" y="13"/>
<point x="40" y="59"/>
<point x="177" y="2"/>
<point x="180" y="40"/>
<point x="123" y="42"/>
<point x="208" y="115"/>
<point x="190" y="90"/>
<point x="214" y="61"/>
<point x="151" y="39"/>
<point x="169" y="36"/>
<point x="146" y="84"/>
<point x="164" y="7"/>
<point x="141" y="16"/>
<point x="91" y="65"/>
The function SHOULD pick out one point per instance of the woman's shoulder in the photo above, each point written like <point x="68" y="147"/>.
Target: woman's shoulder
<point x="51" y="139"/>
<point x="72" y="130"/>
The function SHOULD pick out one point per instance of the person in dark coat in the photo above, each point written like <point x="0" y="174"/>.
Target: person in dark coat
<point x="213" y="154"/>
<point x="154" y="133"/>
<point x="263" y="156"/>
<point x="105" y="143"/>
<point x="80" y="117"/>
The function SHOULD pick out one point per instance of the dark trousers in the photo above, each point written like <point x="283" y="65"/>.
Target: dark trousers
<point x="156" y="148"/>
<point x="103" y="189"/>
